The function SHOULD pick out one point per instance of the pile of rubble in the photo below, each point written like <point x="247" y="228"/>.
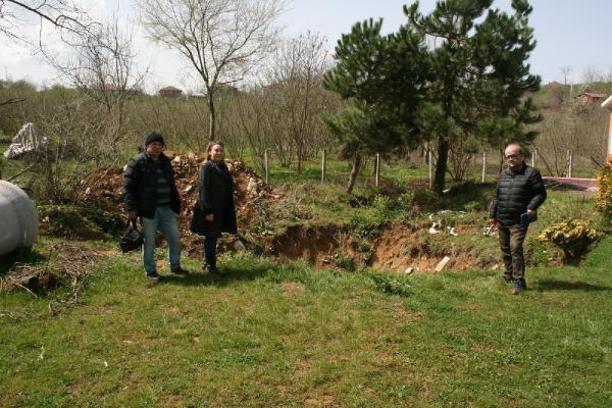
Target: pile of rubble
<point x="104" y="188"/>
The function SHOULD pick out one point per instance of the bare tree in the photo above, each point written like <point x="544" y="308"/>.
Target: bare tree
<point x="61" y="14"/>
<point x="576" y="127"/>
<point x="565" y="71"/>
<point x="295" y="81"/>
<point x="221" y="39"/>
<point x="101" y="66"/>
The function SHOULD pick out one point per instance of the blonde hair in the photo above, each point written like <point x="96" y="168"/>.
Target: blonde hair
<point x="210" y="146"/>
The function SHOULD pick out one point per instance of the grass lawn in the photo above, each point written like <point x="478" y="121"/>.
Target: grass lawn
<point x="267" y="335"/>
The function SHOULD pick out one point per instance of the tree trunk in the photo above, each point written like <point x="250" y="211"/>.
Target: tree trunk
<point x="354" y="173"/>
<point x="443" y="147"/>
<point x="211" y="117"/>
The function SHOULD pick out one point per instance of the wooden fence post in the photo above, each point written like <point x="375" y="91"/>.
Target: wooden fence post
<point x="430" y="167"/>
<point x="377" y="170"/>
<point x="266" y="166"/>
<point x="570" y="162"/>
<point x="323" y="165"/>
<point x="484" y="167"/>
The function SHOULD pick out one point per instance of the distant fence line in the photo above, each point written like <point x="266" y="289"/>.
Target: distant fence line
<point x="430" y="162"/>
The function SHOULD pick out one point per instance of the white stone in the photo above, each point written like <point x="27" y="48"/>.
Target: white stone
<point x="18" y="219"/>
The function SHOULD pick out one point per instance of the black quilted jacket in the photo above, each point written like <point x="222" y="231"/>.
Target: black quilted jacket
<point x="140" y="185"/>
<point x="516" y="192"/>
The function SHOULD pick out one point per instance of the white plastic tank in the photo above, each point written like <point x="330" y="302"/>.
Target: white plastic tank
<point x="18" y="219"/>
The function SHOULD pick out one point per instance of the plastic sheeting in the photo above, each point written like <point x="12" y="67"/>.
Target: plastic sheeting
<point x="28" y="139"/>
<point x="18" y="219"/>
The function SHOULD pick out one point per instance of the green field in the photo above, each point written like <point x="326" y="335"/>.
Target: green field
<point x="266" y="335"/>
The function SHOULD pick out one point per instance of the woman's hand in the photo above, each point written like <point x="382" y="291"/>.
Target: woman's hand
<point x="210" y="217"/>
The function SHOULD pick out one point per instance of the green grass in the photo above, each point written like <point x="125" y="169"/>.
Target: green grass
<point x="267" y="335"/>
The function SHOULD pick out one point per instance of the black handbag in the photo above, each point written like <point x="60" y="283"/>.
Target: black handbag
<point x="198" y="222"/>
<point x="132" y="238"/>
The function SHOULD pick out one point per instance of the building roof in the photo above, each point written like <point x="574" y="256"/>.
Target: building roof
<point x="170" y="89"/>
<point x="593" y="95"/>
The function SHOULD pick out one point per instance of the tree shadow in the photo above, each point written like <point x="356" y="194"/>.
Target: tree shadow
<point x="546" y="285"/>
<point x="226" y="276"/>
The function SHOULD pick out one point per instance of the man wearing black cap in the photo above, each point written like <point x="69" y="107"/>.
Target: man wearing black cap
<point x="150" y="192"/>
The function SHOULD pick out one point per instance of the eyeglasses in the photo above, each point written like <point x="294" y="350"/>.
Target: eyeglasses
<point x="513" y="156"/>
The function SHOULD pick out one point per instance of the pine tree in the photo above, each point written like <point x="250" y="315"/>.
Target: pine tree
<point x="478" y="73"/>
<point x="380" y="78"/>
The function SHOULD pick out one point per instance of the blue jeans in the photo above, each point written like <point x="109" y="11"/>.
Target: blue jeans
<point x="210" y="250"/>
<point x="164" y="220"/>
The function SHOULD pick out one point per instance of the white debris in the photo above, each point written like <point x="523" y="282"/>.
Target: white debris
<point x="442" y="263"/>
<point x="238" y="245"/>
<point x="252" y="186"/>
<point x="451" y="231"/>
<point x="28" y="139"/>
<point x="489" y="231"/>
<point x="409" y="270"/>
<point x="435" y="228"/>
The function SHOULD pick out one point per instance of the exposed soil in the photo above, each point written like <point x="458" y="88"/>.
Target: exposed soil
<point x="397" y="248"/>
<point x="315" y="244"/>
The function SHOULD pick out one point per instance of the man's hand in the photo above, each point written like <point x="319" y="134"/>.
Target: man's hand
<point x="132" y="215"/>
<point x="530" y="213"/>
<point x="210" y="217"/>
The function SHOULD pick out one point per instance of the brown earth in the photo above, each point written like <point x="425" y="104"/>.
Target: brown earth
<point x="396" y="249"/>
<point x="399" y="248"/>
<point x="103" y="188"/>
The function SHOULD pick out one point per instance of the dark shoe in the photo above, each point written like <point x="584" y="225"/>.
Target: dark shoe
<point x="507" y="278"/>
<point x="179" y="271"/>
<point x="519" y="286"/>
<point x="211" y="269"/>
<point x="153" y="277"/>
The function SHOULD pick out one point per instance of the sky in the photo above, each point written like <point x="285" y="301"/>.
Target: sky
<point x="569" y="33"/>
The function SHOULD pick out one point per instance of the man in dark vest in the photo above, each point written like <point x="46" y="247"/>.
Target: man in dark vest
<point x="520" y="191"/>
<point x="150" y="193"/>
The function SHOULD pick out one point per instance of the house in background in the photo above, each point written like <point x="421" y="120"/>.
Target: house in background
<point x="587" y="98"/>
<point x="170" y="92"/>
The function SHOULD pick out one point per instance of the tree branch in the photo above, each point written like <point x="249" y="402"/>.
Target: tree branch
<point x="11" y="101"/>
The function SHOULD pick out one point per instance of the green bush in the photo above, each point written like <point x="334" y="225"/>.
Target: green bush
<point x="365" y="227"/>
<point x="3" y="165"/>
<point x="344" y="261"/>
<point x="573" y="237"/>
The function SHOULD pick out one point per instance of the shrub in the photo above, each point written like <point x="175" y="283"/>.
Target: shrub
<point x="603" y="202"/>
<point x="3" y="165"/>
<point x="365" y="227"/>
<point x="573" y="236"/>
<point x="344" y="261"/>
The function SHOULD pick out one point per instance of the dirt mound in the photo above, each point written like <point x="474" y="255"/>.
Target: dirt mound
<point x="104" y="188"/>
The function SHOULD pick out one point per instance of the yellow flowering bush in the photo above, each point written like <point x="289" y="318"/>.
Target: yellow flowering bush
<point x="603" y="202"/>
<point x="573" y="236"/>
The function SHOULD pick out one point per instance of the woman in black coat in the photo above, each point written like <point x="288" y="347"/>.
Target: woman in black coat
<point x="214" y="212"/>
